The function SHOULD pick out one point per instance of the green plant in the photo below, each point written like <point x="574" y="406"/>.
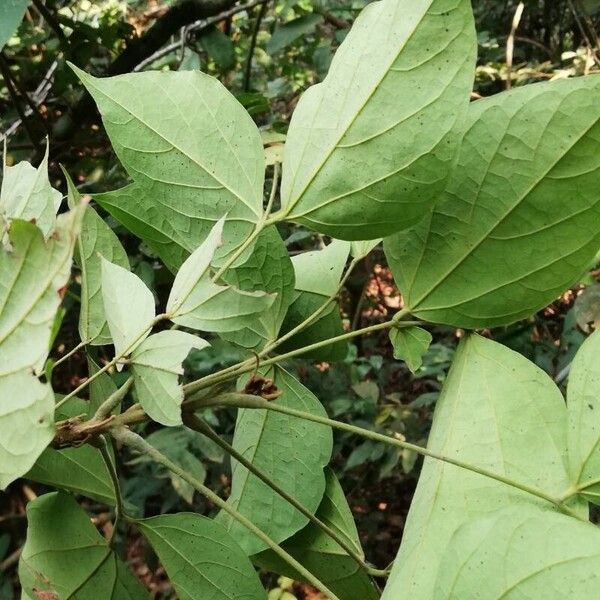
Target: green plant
<point x="488" y="210"/>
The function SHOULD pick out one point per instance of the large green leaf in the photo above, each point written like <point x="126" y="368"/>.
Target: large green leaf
<point x="80" y="470"/>
<point x="96" y="240"/>
<point x="26" y="194"/>
<point x="156" y="367"/>
<point x="269" y="268"/>
<point x="321" y="555"/>
<point x="505" y="242"/>
<point x="204" y="160"/>
<point x="583" y="408"/>
<point x="65" y="555"/>
<point x="34" y="275"/>
<point x="497" y="411"/>
<point x="201" y="558"/>
<point x="521" y="553"/>
<point x="318" y="277"/>
<point x="369" y="150"/>
<point x="11" y="14"/>
<point x="128" y="305"/>
<point x="291" y="451"/>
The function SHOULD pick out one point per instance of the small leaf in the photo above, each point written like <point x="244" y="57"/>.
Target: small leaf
<point x="497" y="411"/>
<point x="11" y="15"/>
<point x="128" y="305"/>
<point x="65" y="555"/>
<point x="205" y="162"/>
<point x="201" y="559"/>
<point x="521" y="553"/>
<point x="80" y="470"/>
<point x="156" y="367"/>
<point x="583" y="407"/>
<point x="370" y="148"/>
<point x="504" y="243"/>
<point x="321" y="555"/>
<point x="410" y="345"/>
<point x="286" y="34"/>
<point x="219" y="47"/>
<point x="291" y="451"/>
<point x="96" y="239"/>
<point x="26" y="194"/>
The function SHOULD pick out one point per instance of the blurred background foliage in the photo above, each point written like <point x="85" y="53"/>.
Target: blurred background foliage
<point x="267" y="52"/>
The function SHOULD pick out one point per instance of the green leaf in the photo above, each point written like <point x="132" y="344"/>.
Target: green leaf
<point x="318" y="276"/>
<point x="369" y="150"/>
<point x="291" y="451"/>
<point x="286" y="34"/>
<point x="521" y="553"/>
<point x="270" y="269"/>
<point x="410" y="345"/>
<point x="11" y="15"/>
<point x="80" y="470"/>
<point x="26" y="194"/>
<point x="320" y="554"/>
<point x="96" y="240"/>
<point x="504" y="243"/>
<point x="34" y="274"/>
<point x="128" y="305"/>
<point x="65" y="555"/>
<point x="497" y="411"/>
<point x="197" y="302"/>
<point x="188" y="170"/>
<point x="219" y="47"/>
<point x="583" y="407"/>
<point x="156" y="367"/>
<point x="201" y="559"/>
<point x="361" y="249"/>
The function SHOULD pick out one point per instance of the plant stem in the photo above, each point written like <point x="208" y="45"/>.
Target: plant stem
<point x="112" y="472"/>
<point x="68" y="355"/>
<point x="246" y="401"/>
<point x="248" y="68"/>
<point x="112" y="401"/>
<point x="139" y="444"/>
<point x="197" y="424"/>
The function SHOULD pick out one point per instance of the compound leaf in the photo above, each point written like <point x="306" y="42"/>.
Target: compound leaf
<point x="370" y="148"/>
<point x="291" y="451"/>
<point x="201" y="558"/>
<point x="505" y="243"/>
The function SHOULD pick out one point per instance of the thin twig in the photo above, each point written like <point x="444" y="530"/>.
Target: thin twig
<point x="112" y="472"/>
<point x="248" y="68"/>
<point x="510" y="43"/>
<point x="51" y="20"/>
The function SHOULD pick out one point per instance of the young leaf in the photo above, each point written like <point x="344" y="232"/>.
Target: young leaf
<point x="318" y="276"/>
<point x="188" y="170"/>
<point x="410" y="345"/>
<point x="128" y="305"/>
<point x="270" y="269"/>
<point x="321" y="555"/>
<point x="583" y="407"/>
<point x="521" y="552"/>
<point x="64" y="555"/>
<point x="292" y="452"/>
<point x="197" y="302"/>
<point x="156" y="367"/>
<point x="201" y="558"/>
<point x="79" y="470"/>
<point x="497" y="411"/>
<point x="96" y="239"/>
<point x="504" y="243"/>
<point x="11" y="14"/>
<point x="34" y="274"/>
<point x="26" y="194"/>
<point x="369" y="150"/>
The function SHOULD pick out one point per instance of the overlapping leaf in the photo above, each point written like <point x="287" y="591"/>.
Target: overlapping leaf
<point x="194" y="156"/>
<point x="156" y="367"/>
<point x="321" y="555"/>
<point x="499" y="412"/>
<point x="201" y="558"/>
<point x="410" y="345"/>
<point x="521" y="218"/>
<point x="64" y="555"/>
<point x="291" y="451"/>
<point x="11" y="14"/>
<point x="369" y="150"/>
